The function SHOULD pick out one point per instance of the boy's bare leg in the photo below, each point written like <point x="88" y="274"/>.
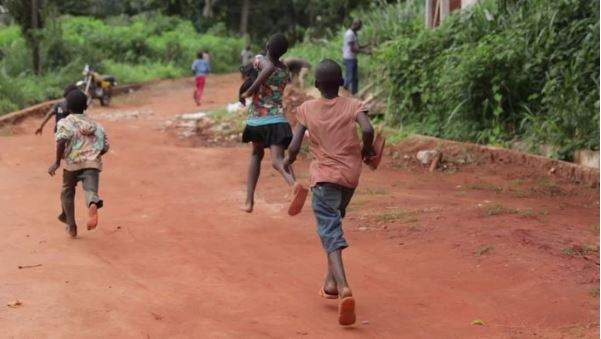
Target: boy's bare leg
<point x="329" y="285"/>
<point x="337" y="269"/>
<point x="346" y="308"/>
<point x="90" y="178"/>
<point x="277" y="161"/>
<point x="67" y="201"/>
<point x="254" y="170"/>
<point x="196" y="99"/>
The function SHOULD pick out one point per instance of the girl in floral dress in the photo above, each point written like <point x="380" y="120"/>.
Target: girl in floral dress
<point x="266" y="126"/>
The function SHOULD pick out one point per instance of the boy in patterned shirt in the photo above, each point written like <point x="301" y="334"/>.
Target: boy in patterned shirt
<point x="81" y="142"/>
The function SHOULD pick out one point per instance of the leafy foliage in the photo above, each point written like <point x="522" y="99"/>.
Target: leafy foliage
<point x="494" y="74"/>
<point x="139" y="48"/>
<point x="498" y="72"/>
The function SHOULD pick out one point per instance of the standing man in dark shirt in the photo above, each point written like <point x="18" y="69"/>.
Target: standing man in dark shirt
<point x="59" y="110"/>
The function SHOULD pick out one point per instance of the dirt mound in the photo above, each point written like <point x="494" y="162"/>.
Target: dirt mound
<point x="200" y="129"/>
<point x="456" y="154"/>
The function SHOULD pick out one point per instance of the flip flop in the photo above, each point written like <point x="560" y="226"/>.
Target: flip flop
<point x="93" y="217"/>
<point x="379" y="143"/>
<point x="346" y="311"/>
<point x="326" y="295"/>
<point x="299" y="195"/>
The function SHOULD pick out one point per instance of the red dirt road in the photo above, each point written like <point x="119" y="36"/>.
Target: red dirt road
<point x="173" y="257"/>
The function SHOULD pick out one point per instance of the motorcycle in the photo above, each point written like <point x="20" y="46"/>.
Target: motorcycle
<point x="97" y="86"/>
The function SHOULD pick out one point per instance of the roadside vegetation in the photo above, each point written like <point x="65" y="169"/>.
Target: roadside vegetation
<point x="496" y="73"/>
<point x="500" y="72"/>
<point x="139" y="40"/>
<point x="134" y="49"/>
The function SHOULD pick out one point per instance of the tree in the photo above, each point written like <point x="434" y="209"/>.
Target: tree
<point x="207" y="10"/>
<point x="244" y="12"/>
<point x="28" y="15"/>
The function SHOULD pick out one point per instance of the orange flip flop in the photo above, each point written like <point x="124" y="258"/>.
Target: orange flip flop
<point x="93" y="217"/>
<point x="298" y="199"/>
<point x="325" y="295"/>
<point x="346" y="311"/>
<point x="379" y="143"/>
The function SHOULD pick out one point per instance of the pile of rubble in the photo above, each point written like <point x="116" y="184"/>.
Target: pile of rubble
<point x="205" y="129"/>
<point x="119" y="115"/>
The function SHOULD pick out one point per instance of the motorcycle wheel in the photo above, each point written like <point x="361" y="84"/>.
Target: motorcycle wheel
<point x="105" y="99"/>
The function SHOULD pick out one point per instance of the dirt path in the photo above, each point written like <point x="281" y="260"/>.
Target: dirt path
<point x="173" y="257"/>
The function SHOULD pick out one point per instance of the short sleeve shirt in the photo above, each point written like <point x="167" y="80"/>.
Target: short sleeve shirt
<point x="349" y="37"/>
<point x="85" y="142"/>
<point x="201" y="67"/>
<point x="267" y="106"/>
<point x="333" y="139"/>
<point x="246" y="57"/>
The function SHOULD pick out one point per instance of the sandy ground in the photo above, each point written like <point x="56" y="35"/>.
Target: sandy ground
<point x="173" y="257"/>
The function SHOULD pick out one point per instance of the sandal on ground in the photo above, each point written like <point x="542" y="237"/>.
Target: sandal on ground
<point x="346" y="311"/>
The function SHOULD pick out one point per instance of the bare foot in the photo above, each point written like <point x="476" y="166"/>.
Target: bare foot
<point x="93" y="217"/>
<point x="72" y="230"/>
<point x="247" y="207"/>
<point x="329" y="291"/>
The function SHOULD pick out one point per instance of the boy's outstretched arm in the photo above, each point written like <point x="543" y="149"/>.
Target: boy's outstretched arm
<point x="60" y="150"/>
<point x="46" y="118"/>
<point x="367" y="132"/>
<point x="295" y="145"/>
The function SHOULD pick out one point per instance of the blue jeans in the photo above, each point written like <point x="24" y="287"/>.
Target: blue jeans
<point x="329" y="202"/>
<point x="351" y="79"/>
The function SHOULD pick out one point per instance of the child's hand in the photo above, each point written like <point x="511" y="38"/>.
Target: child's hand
<point x="53" y="168"/>
<point x="368" y="152"/>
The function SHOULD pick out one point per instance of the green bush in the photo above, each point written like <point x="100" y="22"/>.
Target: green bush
<point x="496" y="74"/>
<point x="144" y="72"/>
<point x="381" y="22"/>
<point x="140" y="48"/>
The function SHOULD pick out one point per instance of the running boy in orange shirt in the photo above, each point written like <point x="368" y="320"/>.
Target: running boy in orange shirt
<point x="338" y="154"/>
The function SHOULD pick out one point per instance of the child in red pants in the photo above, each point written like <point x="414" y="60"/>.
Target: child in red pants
<point x="201" y="68"/>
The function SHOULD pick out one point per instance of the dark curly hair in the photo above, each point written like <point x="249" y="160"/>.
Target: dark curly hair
<point x="277" y="45"/>
<point x="77" y="101"/>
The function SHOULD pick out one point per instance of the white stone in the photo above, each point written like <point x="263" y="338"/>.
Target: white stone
<point x="426" y="156"/>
